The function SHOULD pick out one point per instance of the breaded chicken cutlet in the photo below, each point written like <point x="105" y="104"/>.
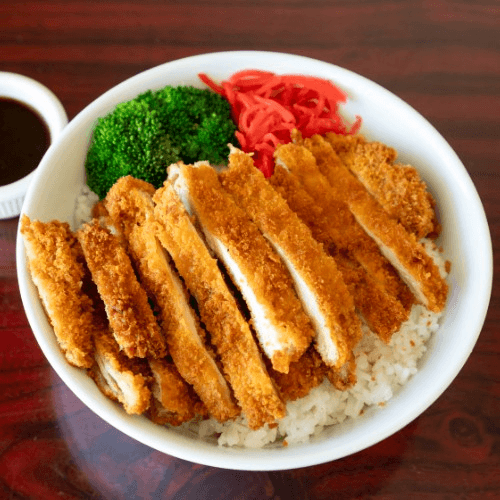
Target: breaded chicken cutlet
<point x="346" y="232"/>
<point x="304" y="375"/>
<point x="119" y="377"/>
<point x="230" y="333"/>
<point x="130" y="380"/>
<point x="283" y="328"/>
<point x="129" y="203"/>
<point x="131" y="207"/>
<point x="173" y="400"/>
<point x="397" y="187"/>
<point x="141" y="386"/>
<point x="319" y="283"/>
<point x="309" y="372"/>
<point x="401" y="248"/>
<point x="130" y="316"/>
<point x="332" y="224"/>
<point x="57" y="267"/>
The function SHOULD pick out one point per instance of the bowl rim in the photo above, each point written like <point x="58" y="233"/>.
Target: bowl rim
<point x="270" y="459"/>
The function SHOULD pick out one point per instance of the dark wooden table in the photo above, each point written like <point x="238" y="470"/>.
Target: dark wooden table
<point x="441" y="56"/>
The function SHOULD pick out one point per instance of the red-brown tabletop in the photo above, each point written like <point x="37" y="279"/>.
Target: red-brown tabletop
<point x="442" y="57"/>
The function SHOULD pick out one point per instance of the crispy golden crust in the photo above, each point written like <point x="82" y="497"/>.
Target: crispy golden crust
<point x="345" y="378"/>
<point x="397" y="187"/>
<point x="183" y="332"/>
<point x="382" y="312"/>
<point x="304" y="375"/>
<point x="57" y="267"/>
<point x="266" y="275"/>
<point x="129" y="313"/>
<point x="343" y="143"/>
<point x="119" y="377"/>
<point x="416" y="267"/>
<point x="99" y="210"/>
<point x="309" y="372"/>
<point x="380" y="309"/>
<point x="229" y="332"/>
<point x="286" y="230"/>
<point x="339" y="227"/>
<point x="129" y="203"/>
<point x="158" y="414"/>
<point x="96" y="375"/>
<point x="174" y="402"/>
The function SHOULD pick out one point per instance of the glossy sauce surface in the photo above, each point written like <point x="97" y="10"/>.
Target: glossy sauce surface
<point x="24" y="138"/>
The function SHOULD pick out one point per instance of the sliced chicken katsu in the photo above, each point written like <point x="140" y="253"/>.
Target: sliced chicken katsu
<point x="318" y="282"/>
<point x="309" y="372"/>
<point x="340" y="227"/>
<point x="397" y="187"/>
<point x="57" y="267"/>
<point x="283" y="328"/>
<point x="346" y="143"/>
<point x="229" y="332"/>
<point x="344" y="378"/>
<point x="130" y="316"/>
<point x="333" y="225"/>
<point x="185" y="338"/>
<point x="130" y="204"/>
<point x="174" y="401"/>
<point x="401" y="248"/>
<point x="349" y="234"/>
<point x="304" y="375"/>
<point x="119" y="377"/>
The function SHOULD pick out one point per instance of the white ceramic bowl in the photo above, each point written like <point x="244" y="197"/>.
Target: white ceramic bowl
<point x="47" y="105"/>
<point x="465" y="238"/>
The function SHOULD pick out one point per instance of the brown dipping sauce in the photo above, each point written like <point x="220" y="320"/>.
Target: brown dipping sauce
<point x="24" y="138"/>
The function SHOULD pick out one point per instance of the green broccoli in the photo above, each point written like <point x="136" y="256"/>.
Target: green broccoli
<point x="142" y="137"/>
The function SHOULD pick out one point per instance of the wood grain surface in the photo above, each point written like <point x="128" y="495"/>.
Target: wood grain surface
<point x="440" y="56"/>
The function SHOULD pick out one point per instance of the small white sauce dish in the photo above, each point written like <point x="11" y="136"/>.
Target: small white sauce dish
<point x="43" y="101"/>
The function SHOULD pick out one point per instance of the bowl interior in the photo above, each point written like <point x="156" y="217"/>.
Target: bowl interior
<point x="386" y="118"/>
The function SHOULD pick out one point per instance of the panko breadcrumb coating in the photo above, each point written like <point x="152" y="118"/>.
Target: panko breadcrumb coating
<point x="119" y="377"/>
<point x="397" y="187"/>
<point x="345" y="143"/>
<point x="173" y="401"/>
<point x="282" y="327"/>
<point x="344" y="378"/>
<point x="348" y="233"/>
<point x="130" y="204"/>
<point x="333" y="225"/>
<point x="401" y="248"/>
<point x="57" y="267"/>
<point x="318" y="282"/>
<point x="130" y="316"/>
<point x="185" y="337"/>
<point x="305" y="374"/>
<point x="230" y="333"/>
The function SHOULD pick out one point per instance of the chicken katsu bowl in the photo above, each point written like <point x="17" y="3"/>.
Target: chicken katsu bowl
<point x="254" y="260"/>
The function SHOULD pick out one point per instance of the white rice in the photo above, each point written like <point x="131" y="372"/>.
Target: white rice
<point x="381" y="372"/>
<point x="84" y="203"/>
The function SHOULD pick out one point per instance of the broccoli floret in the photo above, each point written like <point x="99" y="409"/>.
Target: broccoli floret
<point x="142" y="137"/>
<point x="198" y="121"/>
<point x="129" y="141"/>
